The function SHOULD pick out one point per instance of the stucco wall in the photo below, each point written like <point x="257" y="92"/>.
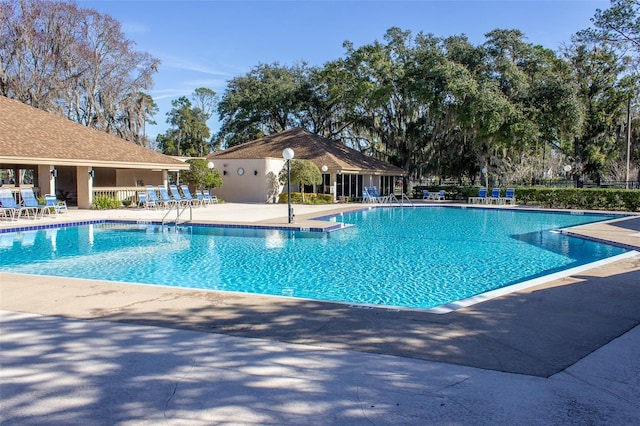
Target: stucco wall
<point x="138" y="177"/>
<point x="258" y="183"/>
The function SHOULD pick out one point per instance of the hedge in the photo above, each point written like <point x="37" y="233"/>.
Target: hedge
<point x="311" y="198"/>
<point x="562" y="198"/>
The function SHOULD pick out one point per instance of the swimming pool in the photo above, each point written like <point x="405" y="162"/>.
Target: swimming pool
<point x="395" y="257"/>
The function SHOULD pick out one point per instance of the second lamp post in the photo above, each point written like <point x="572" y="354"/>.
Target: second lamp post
<point x="287" y="154"/>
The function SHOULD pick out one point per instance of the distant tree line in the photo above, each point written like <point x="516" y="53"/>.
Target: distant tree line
<point x="437" y="107"/>
<point x="445" y="108"/>
<point x="75" y="63"/>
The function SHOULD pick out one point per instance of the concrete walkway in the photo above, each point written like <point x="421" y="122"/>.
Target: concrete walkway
<point x="61" y="371"/>
<point x="88" y="352"/>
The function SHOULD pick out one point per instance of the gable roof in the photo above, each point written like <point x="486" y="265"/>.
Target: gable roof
<point x="308" y="146"/>
<point x="32" y="136"/>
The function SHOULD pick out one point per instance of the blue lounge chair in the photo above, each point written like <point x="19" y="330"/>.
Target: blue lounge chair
<point x="144" y="201"/>
<point x="30" y="203"/>
<point x="495" y="197"/>
<point x="175" y="194"/>
<point x="186" y="194"/>
<point x="509" y="197"/>
<point x="208" y="198"/>
<point x="440" y="195"/>
<point x="426" y="195"/>
<point x="8" y="206"/>
<point x="373" y="191"/>
<point x="165" y="198"/>
<point x="200" y="197"/>
<point x="52" y="204"/>
<point x="366" y="197"/>
<point x="153" y="197"/>
<point x="481" y="198"/>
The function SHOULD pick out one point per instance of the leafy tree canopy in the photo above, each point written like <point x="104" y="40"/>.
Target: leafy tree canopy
<point x="200" y="175"/>
<point x="189" y="134"/>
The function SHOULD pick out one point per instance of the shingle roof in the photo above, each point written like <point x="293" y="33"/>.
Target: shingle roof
<point x="321" y="151"/>
<point x="36" y="136"/>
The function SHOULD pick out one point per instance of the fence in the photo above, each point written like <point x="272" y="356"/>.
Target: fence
<point x="120" y="193"/>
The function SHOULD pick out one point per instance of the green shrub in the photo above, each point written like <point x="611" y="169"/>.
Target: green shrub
<point x="580" y="198"/>
<point x="311" y="198"/>
<point x="560" y="198"/>
<point x="103" y="202"/>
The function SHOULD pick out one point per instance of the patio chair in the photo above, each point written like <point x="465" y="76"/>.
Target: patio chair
<point x="30" y="203"/>
<point x="165" y="198"/>
<point x="366" y="197"/>
<point x="8" y="205"/>
<point x="145" y="202"/>
<point x="441" y="195"/>
<point x="175" y="195"/>
<point x="54" y="206"/>
<point x="208" y="198"/>
<point x="509" y="197"/>
<point x="153" y="197"/>
<point x="494" y="198"/>
<point x="481" y="198"/>
<point x="373" y="191"/>
<point x="426" y="195"/>
<point x="186" y="194"/>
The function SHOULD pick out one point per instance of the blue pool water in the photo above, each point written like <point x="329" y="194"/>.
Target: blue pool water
<point x="404" y="257"/>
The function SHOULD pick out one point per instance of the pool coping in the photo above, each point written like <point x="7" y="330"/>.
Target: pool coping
<point x="633" y="249"/>
<point x="537" y="331"/>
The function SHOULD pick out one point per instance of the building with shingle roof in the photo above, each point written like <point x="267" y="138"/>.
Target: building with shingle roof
<point x="57" y="155"/>
<point x="250" y="170"/>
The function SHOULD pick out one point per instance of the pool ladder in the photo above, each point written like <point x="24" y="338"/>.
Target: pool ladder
<point x="394" y="199"/>
<point x="178" y="213"/>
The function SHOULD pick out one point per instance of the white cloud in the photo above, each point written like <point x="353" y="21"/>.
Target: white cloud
<point x="189" y="65"/>
<point x="129" y="28"/>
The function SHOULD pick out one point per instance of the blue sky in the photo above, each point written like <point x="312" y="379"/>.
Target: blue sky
<point x="206" y="43"/>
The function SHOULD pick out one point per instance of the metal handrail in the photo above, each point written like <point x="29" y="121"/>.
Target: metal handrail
<point x="178" y="212"/>
<point x="408" y="199"/>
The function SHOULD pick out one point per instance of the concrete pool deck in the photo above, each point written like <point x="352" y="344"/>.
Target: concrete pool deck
<point x="75" y="351"/>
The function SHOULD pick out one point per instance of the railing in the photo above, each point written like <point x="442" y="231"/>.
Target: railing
<point x="120" y="193"/>
<point x="179" y="212"/>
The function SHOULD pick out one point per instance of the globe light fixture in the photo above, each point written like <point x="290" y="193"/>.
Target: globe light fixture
<point x="287" y="154"/>
<point x="324" y="170"/>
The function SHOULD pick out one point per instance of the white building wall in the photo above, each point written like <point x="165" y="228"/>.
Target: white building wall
<point x="256" y="182"/>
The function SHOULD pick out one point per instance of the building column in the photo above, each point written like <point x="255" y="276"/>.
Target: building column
<point x="46" y="179"/>
<point x="84" y="187"/>
<point x="334" y="187"/>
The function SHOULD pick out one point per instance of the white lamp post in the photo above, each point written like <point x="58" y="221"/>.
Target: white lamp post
<point x="287" y="154"/>
<point x="566" y="169"/>
<point x="210" y="166"/>
<point x="324" y="171"/>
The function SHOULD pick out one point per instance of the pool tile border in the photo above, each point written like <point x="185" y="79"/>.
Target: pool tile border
<point x="34" y="227"/>
<point x="442" y="309"/>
